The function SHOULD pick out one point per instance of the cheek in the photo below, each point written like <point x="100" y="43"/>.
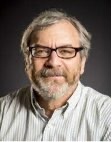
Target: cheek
<point x="73" y="70"/>
<point x="72" y="65"/>
<point x="37" y="64"/>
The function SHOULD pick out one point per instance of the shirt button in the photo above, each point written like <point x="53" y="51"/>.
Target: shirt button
<point x="50" y="125"/>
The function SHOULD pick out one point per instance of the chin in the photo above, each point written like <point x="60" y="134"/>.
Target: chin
<point x="50" y="90"/>
<point x="54" y="80"/>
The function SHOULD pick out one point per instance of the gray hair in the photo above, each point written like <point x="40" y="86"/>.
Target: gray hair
<point x="50" y="17"/>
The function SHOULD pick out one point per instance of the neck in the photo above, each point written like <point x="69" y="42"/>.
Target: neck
<point x="51" y="105"/>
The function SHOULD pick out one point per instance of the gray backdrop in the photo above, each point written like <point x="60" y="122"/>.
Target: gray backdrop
<point x="15" y="15"/>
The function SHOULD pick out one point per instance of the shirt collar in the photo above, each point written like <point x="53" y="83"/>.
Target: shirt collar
<point x="72" y="101"/>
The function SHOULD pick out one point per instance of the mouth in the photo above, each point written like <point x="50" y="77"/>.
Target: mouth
<point x="53" y="76"/>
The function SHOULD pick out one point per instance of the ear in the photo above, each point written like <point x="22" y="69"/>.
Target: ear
<point x="83" y="61"/>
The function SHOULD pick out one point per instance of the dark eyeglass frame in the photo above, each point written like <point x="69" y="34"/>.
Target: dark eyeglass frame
<point x="77" y="49"/>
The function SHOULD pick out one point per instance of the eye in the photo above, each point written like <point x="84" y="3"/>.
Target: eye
<point x="40" y="52"/>
<point x="64" y="51"/>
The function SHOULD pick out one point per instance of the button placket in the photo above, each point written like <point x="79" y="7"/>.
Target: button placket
<point x="49" y="129"/>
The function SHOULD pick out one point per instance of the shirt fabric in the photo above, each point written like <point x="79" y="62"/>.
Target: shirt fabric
<point x="85" y="117"/>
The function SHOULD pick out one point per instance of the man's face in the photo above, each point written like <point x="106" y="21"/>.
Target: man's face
<point x="53" y="77"/>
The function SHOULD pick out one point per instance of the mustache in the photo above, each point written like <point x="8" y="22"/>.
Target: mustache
<point x="52" y="72"/>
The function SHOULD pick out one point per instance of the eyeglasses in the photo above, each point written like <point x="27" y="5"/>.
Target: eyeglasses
<point x="62" y="52"/>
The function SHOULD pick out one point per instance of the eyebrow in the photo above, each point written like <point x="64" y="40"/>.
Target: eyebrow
<point x="39" y="45"/>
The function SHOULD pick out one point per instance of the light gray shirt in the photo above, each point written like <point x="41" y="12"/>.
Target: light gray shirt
<point x="85" y="117"/>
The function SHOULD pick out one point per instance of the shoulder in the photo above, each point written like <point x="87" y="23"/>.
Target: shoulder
<point x="98" y="108"/>
<point x="97" y="103"/>
<point x="13" y="99"/>
<point x="93" y="95"/>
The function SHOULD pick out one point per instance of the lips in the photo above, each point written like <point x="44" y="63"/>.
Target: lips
<point x="52" y="75"/>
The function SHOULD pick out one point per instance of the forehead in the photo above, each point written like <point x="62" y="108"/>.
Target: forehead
<point x="62" y="32"/>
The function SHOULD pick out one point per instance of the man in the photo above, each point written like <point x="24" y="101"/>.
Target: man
<point x="57" y="107"/>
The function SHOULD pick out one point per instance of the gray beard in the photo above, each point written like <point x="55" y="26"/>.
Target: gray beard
<point x="52" y="90"/>
<point x="46" y="89"/>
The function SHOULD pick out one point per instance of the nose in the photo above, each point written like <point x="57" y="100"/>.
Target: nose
<point x="53" y="60"/>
